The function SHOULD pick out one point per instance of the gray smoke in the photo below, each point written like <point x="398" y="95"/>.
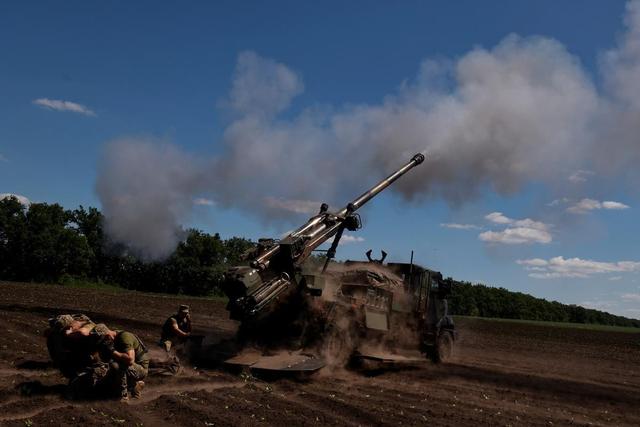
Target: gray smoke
<point x="618" y="149"/>
<point x="493" y="119"/>
<point x="145" y="187"/>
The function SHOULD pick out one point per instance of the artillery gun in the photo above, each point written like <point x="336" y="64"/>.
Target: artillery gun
<point x="282" y="305"/>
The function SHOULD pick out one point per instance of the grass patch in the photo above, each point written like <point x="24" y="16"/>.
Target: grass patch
<point x="587" y="326"/>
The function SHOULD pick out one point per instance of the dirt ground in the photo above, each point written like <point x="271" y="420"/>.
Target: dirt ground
<point x="503" y="373"/>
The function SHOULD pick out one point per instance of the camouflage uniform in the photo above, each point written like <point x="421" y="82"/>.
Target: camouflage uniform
<point x="70" y="356"/>
<point x="76" y="355"/>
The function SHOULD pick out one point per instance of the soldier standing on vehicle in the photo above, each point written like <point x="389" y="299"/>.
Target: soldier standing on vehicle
<point x="130" y="361"/>
<point x="176" y="329"/>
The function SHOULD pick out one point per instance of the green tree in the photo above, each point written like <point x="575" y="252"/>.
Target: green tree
<point x="54" y="248"/>
<point x="197" y="265"/>
<point x="89" y="224"/>
<point x="235" y="248"/>
<point x="12" y="238"/>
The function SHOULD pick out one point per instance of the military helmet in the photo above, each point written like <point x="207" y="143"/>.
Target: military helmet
<point x="183" y="309"/>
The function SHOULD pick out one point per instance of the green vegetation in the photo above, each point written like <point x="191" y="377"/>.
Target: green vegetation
<point x="486" y="301"/>
<point x="46" y="243"/>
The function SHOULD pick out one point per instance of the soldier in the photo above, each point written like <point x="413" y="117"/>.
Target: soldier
<point x="130" y="361"/>
<point x="176" y="329"/>
<point x="73" y="350"/>
<point x="69" y="342"/>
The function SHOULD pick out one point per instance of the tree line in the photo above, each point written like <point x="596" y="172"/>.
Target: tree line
<point x="486" y="301"/>
<point x="47" y="243"/>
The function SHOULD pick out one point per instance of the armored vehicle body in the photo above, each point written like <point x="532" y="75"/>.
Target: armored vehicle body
<point x="387" y="312"/>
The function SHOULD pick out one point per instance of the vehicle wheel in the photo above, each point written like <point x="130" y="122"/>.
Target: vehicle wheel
<point x="444" y="348"/>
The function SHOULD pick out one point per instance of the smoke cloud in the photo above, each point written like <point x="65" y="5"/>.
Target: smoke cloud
<point x="494" y="119"/>
<point x="618" y="151"/>
<point x="145" y="187"/>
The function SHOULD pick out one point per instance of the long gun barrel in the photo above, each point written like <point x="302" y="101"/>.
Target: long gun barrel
<point x="274" y="266"/>
<point x="316" y="228"/>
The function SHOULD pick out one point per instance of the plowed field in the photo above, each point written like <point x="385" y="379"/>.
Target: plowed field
<point x="503" y="373"/>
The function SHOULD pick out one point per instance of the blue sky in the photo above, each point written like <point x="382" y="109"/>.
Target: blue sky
<point x="75" y="76"/>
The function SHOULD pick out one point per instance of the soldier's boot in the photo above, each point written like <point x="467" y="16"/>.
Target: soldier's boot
<point x="136" y="391"/>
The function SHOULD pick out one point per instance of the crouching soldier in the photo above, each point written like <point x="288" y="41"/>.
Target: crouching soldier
<point x="69" y="342"/>
<point x="176" y="329"/>
<point x="130" y="361"/>
<point x="73" y="349"/>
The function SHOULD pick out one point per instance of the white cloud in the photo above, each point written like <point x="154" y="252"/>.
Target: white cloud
<point x="517" y="235"/>
<point x="348" y="238"/>
<point x="529" y="223"/>
<point x="557" y="202"/>
<point x="614" y="205"/>
<point x="519" y="231"/>
<point x="295" y="206"/>
<point x="200" y="201"/>
<point x="615" y="278"/>
<point x="23" y="200"/>
<point x="580" y="176"/>
<point x="533" y="262"/>
<point x="586" y="205"/>
<point x="498" y="218"/>
<point x="631" y="297"/>
<point x="559" y="266"/>
<point x="60" y="105"/>
<point x="459" y="226"/>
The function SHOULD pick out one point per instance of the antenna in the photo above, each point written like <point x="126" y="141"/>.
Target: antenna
<point x="411" y="269"/>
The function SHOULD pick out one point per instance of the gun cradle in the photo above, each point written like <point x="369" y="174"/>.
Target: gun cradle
<point x="254" y="290"/>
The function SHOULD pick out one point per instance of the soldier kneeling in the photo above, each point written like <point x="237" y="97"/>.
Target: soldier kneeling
<point x="176" y="329"/>
<point x="130" y="361"/>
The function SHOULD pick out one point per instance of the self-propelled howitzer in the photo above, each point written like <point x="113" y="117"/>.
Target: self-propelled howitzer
<point x="273" y="272"/>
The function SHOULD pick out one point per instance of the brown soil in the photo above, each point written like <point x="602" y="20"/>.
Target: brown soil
<point x="502" y="374"/>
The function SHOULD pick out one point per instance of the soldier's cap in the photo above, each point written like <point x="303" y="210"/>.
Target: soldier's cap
<point x="101" y="330"/>
<point x="63" y="321"/>
<point x="183" y="308"/>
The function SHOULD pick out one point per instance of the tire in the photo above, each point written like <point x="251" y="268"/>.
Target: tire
<point x="444" y="348"/>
